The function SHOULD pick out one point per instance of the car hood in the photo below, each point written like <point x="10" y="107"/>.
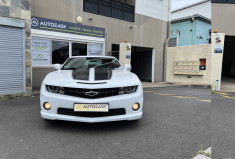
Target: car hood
<point x="64" y="78"/>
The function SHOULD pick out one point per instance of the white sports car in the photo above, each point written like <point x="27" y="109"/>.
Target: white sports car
<point x="91" y="89"/>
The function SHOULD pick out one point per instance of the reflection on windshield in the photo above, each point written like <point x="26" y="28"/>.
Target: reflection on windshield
<point x="91" y="62"/>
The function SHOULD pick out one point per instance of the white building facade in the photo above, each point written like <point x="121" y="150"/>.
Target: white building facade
<point x="202" y="8"/>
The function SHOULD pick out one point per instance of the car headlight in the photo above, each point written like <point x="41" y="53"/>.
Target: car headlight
<point x="130" y="89"/>
<point x="52" y="89"/>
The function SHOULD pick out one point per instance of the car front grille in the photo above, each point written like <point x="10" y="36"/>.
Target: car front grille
<point x="71" y="112"/>
<point x="91" y="93"/>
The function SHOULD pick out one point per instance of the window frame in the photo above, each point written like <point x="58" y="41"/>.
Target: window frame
<point x="51" y="35"/>
<point x="70" y="48"/>
<point x="52" y="50"/>
<point x="50" y="39"/>
<point x="112" y="7"/>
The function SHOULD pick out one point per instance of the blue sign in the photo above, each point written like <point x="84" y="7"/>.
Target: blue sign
<point x="65" y="27"/>
<point x="218" y="49"/>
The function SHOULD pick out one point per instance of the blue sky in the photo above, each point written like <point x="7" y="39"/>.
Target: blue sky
<point x="181" y="3"/>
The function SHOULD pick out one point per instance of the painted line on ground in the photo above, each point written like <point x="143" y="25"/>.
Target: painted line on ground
<point x="225" y="95"/>
<point x="222" y="93"/>
<point x="164" y="94"/>
<point x="185" y="97"/>
<point x="209" y="101"/>
<point x="176" y="96"/>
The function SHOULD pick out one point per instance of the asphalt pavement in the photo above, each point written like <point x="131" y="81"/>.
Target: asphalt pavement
<point x="176" y="125"/>
<point x="223" y="126"/>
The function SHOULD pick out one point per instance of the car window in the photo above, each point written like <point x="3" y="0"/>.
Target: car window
<point x="91" y="62"/>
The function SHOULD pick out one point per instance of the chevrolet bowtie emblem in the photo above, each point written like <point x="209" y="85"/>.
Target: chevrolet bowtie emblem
<point x="91" y="93"/>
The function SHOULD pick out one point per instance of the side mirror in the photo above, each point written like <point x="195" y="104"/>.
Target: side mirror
<point x="128" y="67"/>
<point x="56" y="67"/>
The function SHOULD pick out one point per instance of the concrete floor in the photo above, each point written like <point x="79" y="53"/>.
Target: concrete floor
<point x="223" y="127"/>
<point x="174" y="126"/>
<point x="228" y="84"/>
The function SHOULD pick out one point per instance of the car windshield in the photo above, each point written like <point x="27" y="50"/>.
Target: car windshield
<point x="91" y="62"/>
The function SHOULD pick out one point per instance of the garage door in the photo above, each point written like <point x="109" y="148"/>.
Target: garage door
<point x="141" y="62"/>
<point x="12" y="60"/>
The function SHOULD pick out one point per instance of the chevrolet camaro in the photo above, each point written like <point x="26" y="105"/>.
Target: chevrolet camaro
<point x="91" y="89"/>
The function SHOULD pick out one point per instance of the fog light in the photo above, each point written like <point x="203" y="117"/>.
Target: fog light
<point x="47" y="106"/>
<point x="136" y="106"/>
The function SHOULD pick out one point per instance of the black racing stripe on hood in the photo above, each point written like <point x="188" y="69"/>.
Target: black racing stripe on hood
<point x="102" y="74"/>
<point x="81" y="74"/>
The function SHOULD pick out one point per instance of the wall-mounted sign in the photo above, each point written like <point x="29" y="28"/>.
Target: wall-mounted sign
<point x="218" y="49"/>
<point x="94" y="50"/>
<point x="128" y="51"/>
<point x="41" y="52"/>
<point x="125" y="53"/>
<point x="65" y="27"/>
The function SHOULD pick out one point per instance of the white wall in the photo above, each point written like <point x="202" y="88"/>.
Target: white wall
<point x="189" y="53"/>
<point x="159" y="9"/>
<point x="217" y="60"/>
<point x="203" y="9"/>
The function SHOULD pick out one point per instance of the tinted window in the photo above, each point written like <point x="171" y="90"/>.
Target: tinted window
<point x="79" y="49"/>
<point x="115" y="51"/>
<point x="60" y="52"/>
<point x="110" y="8"/>
<point x="218" y="1"/>
<point x="231" y="1"/>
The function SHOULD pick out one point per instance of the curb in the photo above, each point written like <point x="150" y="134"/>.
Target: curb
<point x="36" y="93"/>
<point x="194" y="86"/>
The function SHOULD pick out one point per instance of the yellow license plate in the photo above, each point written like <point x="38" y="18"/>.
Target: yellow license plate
<point x="91" y="107"/>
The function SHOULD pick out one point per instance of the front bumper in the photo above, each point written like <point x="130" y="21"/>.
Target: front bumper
<point x="62" y="101"/>
<point x="129" y="117"/>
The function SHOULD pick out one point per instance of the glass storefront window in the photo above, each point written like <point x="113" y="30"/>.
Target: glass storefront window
<point x="41" y="52"/>
<point x="94" y="50"/>
<point x="46" y="52"/>
<point x="79" y="49"/>
<point x="60" y="52"/>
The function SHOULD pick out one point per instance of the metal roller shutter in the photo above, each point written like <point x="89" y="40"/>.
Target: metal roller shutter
<point x="12" y="60"/>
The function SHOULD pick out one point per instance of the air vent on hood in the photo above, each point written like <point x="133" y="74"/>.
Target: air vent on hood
<point x="81" y="74"/>
<point x="102" y="74"/>
<point x="99" y="73"/>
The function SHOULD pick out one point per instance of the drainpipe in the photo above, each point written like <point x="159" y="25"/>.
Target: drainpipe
<point x="166" y="42"/>
<point x="106" y="53"/>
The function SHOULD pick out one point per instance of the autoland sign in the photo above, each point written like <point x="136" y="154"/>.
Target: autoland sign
<point x="66" y="27"/>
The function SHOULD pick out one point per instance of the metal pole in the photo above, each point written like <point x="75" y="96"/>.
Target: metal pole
<point x="217" y="85"/>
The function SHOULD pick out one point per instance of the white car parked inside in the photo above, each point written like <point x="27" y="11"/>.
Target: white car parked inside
<point x="91" y="89"/>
